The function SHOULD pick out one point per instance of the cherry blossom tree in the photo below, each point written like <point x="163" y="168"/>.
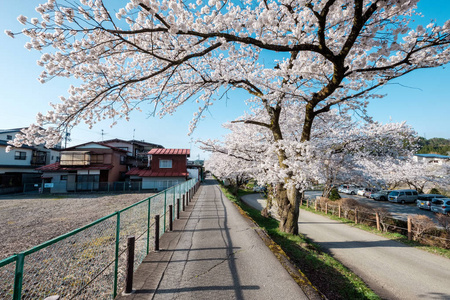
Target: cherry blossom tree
<point x="320" y="53"/>
<point x="416" y="174"/>
<point x="339" y="149"/>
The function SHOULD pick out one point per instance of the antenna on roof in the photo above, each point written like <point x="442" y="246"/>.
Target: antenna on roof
<point x="66" y="137"/>
<point x="134" y="131"/>
<point x="103" y="133"/>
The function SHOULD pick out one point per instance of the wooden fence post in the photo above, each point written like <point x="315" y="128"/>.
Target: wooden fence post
<point x="307" y="202"/>
<point x="409" y="229"/>
<point x="326" y="208"/>
<point x="377" y="217"/>
<point x="339" y="210"/>
<point x="356" y="216"/>
<point x="315" y="205"/>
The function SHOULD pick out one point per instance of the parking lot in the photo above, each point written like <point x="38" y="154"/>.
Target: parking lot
<point x="398" y="211"/>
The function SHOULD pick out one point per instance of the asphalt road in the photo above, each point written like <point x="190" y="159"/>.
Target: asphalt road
<point x="221" y="256"/>
<point x="391" y="269"/>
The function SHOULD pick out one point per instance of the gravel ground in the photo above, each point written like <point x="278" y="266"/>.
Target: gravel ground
<point x="27" y="221"/>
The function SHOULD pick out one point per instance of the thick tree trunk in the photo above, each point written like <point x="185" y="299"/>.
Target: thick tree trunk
<point x="288" y="209"/>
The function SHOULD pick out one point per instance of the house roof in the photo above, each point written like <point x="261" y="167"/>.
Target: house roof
<point x="142" y="143"/>
<point x="73" y="148"/>
<point x="11" y="130"/>
<point x="56" y="167"/>
<point x="432" y="155"/>
<point x="141" y="172"/>
<point x="170" y="152"/>
<point x="5" y="143"/>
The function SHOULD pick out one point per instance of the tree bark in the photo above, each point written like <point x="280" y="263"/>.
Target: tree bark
<point x="288" y="202"/>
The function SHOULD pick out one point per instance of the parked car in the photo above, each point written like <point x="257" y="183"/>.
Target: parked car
<point x="369" y="193"/>
<point x="352" y="190"/>
<point x="403" y="196"/>
<point x="343" y="187"/>
<point x="424" y="200"/>
<point x="380" y="195"/>
<point x="441" y="205"/>
<point x="361" y="192"/>
<point x="259" y="189"/>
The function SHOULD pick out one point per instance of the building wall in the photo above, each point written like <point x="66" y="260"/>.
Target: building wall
<point x="179" y="162"/>
<point x="160" y="183"/>
<point x="7" y="158"/>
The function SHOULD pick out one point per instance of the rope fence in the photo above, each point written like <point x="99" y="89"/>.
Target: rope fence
<point x="417" y="228"/>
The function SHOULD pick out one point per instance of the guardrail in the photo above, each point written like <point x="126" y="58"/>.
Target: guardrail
<point x="88" y="262"/>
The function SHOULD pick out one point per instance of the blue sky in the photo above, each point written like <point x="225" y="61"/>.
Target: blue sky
<point x="421" y="98"/>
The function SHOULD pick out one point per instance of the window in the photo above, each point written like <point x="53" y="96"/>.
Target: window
<point x="9" y="137"/>
<point x="20" y="155"/>
<point x="63" y="177"/>
<point x="96" y="158"/>
<point x="409" y="193"/>
<point x="123" y="159"/>
<point x="165" y="164"/>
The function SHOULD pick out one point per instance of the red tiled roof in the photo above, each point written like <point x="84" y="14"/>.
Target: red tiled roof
<point x="158" y="151"/>
<point x="56" y="167"/>
<point x="150" y="173"/>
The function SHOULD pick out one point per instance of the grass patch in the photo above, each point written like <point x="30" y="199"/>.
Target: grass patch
<point x="327" y="274"/>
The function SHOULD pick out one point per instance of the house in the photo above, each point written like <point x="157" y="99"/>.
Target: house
<point x="91" y="166"/>
<point x="137" y="151"/>
<point x="18" y="167"/>
<point x="166" y="168"/>
<point x="195" y="169"/>
<point x="432" y="158"/>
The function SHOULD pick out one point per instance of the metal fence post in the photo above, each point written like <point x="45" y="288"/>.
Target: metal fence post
<point x="178" y="208"/>
<point x="165" y="210"/>
<point x="148" y="224"/>
<point x="157" y="233"/>
<point x="18" y="277"/>
<point x="116" y="262"/>
<point x="183" y="203"/>
<point x="130" y="264"/>
<point x="170" y="217"/>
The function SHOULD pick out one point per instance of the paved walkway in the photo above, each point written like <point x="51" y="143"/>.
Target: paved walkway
<point x="213" y="253"/>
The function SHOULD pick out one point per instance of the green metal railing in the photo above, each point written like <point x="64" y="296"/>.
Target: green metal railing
<point x="89" y="262"/>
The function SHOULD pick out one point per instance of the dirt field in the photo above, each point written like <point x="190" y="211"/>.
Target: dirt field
<point x="27" y="221"/>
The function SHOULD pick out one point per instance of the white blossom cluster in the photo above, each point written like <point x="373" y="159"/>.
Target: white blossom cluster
<point x="168" y="52"/>
<point x="340" y="150"/>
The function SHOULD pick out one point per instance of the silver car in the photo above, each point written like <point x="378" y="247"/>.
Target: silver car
<point x="441" y="205"/>
<point x="380" y="195"/>
<point x="424" y="200"/>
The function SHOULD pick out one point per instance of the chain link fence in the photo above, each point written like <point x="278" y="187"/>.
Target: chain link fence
<point x="89" y="262"/>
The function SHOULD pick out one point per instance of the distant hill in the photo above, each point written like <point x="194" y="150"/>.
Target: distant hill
<point x="434" y="145"/>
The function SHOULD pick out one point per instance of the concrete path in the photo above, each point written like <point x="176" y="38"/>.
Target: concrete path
<point x="391" y="269"/>
<point x="216" y="255"/>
